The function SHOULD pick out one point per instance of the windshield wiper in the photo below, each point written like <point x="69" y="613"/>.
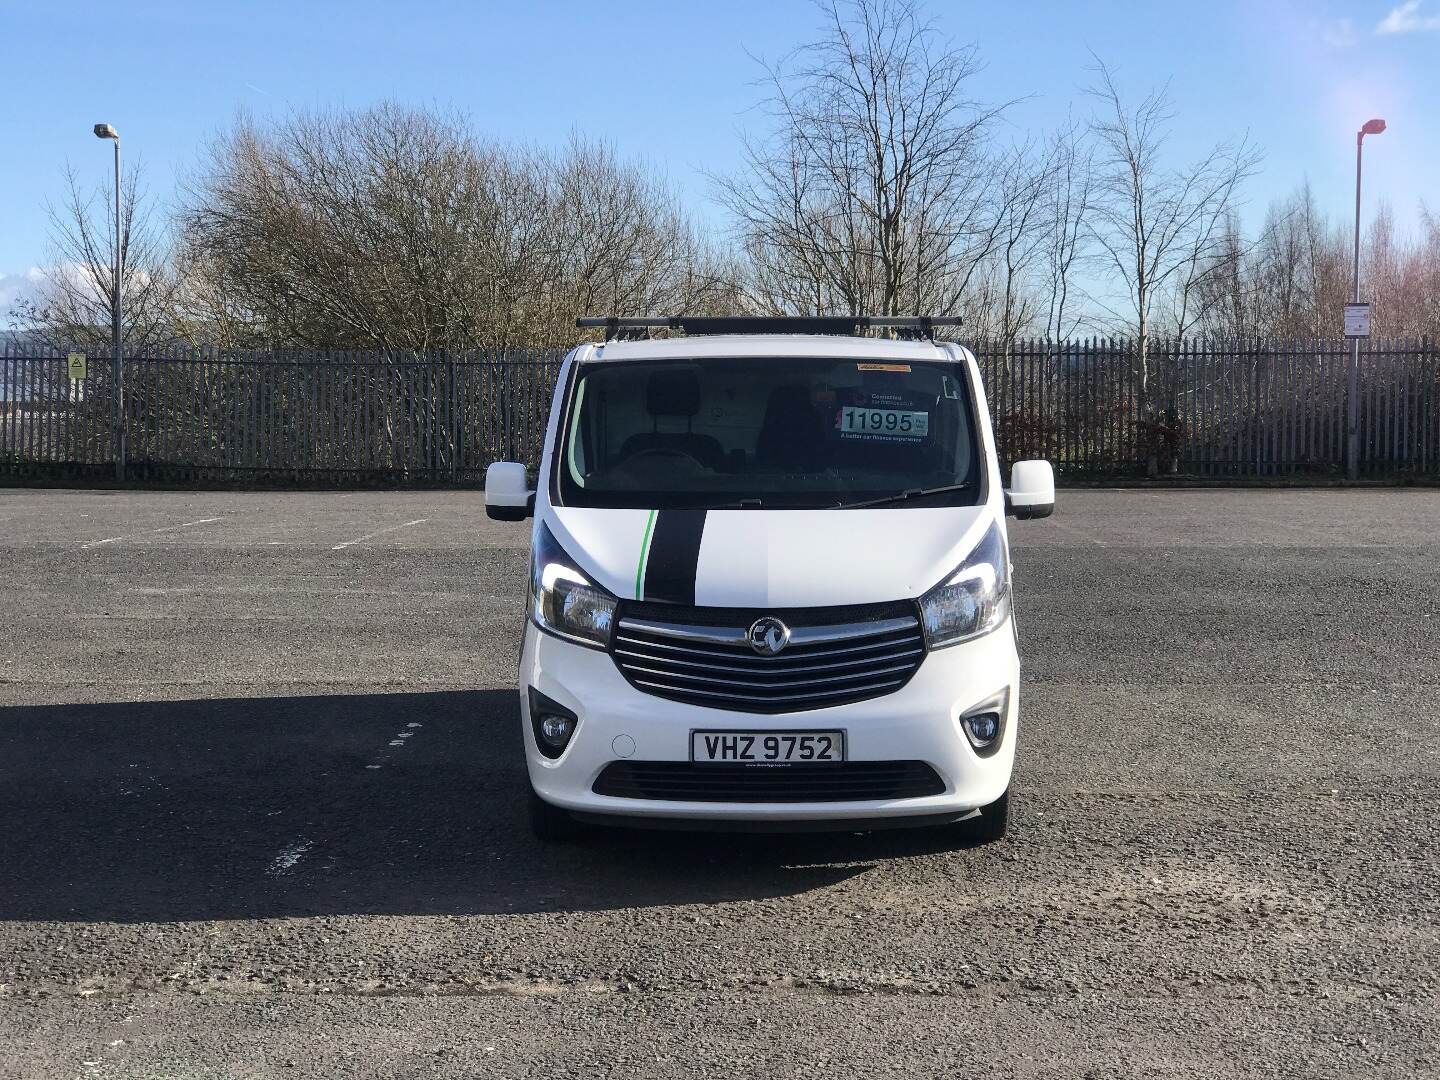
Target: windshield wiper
<point x="905" y="496"/>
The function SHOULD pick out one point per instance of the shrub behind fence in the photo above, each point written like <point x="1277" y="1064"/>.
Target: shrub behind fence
<point x="1206" y="409"/>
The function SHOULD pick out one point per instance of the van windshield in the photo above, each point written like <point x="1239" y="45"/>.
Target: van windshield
<point x="766" y="433"/>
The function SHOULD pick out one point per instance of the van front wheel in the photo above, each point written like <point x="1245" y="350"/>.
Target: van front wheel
<point x="550" y="824"/>
<point x="993" y="821"/>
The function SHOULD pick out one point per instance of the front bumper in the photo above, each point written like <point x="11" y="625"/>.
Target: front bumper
<point x="918" y="722"/>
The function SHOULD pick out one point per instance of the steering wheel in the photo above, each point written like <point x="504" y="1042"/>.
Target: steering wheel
<point x="665" y="452"/>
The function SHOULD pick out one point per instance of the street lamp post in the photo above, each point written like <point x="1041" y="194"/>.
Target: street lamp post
<point x="117" y="375"/>
<point x="1352" y="405"/>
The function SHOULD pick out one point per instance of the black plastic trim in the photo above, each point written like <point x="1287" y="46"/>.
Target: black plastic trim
<point x="844" y="325"/>
<point x="688" y="781"/>
<point x="542" y="705"/>
<point x="772" y="825"/>
<point x="999" y="703"/>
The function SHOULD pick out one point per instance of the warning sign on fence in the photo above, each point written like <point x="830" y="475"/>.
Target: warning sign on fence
<point x="77" y="365"/>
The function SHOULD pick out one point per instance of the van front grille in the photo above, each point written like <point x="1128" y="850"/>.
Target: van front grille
<point x="703" y="656"/>
<point x="685" y="781"/>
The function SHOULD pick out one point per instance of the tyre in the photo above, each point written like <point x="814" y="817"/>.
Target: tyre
<point x="993" y="821"/>
<point x="550" y="824"/>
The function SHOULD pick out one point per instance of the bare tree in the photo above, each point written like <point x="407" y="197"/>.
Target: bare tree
<point x="1156" y="227"/>
<point x="1400" y="274"/>
<point x="1267" y="286"/>
<point x="75" y="304"/>
<point x="1429" y="311"/>
<point x="625" y="245"/>
<point x="1292" y="280"/>
<point x="1067" y="210"/>
<point x="394" y="228"/>
<point x="1221" y="292"/>
<point x="209" y="307"/>
<point x="872" y="193"/>
<point x="1025" y="180"/>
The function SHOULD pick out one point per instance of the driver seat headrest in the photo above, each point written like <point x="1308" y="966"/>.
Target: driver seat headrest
<point x="673" y="393"/>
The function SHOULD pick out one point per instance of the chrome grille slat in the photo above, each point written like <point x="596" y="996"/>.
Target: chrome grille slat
<point x="688" y="692"/>
<point x="744" y="654"/>
<point x="779" y="684"/>
<point x="702" y="656"/>
<point x="799" y="635"/>
<point x="788" y="669"/>
<point x="714" y="635"/>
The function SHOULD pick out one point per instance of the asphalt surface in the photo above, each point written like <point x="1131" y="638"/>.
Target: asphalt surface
<point x="260" y="815"/>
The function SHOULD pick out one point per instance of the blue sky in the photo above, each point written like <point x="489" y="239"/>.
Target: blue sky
<point x="672" y="82"/>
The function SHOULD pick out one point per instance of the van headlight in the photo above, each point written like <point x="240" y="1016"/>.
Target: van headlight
<point x="563" y="600"/>
<point x="972" y="601"/>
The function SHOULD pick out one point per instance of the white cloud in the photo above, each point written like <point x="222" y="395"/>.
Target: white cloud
<point x="21" y="286"/>
<point x="32" y="284"/>
<point x="1406" y="19"/>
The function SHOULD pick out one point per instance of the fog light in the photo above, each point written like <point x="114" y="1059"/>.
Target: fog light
<point x="984" y="725"/>
<point x="982" y="728"/>
<point x="553" y="724"/>
<point x="556" y="730"/>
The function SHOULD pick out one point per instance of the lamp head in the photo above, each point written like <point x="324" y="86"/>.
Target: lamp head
<point x="1373" y="127"/>
<point x="105" y="131"/>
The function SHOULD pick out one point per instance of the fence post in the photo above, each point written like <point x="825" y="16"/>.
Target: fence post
<point x="118" y="404"/>
<point x="452" y="428"/>
<point x="505" y="408"/>
<point x="1352" y="414"/>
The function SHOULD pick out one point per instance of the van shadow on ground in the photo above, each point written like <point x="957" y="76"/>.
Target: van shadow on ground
<point x="265" y="807"/>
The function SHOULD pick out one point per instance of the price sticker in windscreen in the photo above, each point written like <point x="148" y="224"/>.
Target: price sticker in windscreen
<point x="855" y="420"/>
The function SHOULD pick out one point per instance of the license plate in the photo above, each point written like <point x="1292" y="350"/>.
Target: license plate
<point x="768" y="747"/>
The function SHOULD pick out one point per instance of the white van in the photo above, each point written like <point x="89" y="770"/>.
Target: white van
<point x="770" y="582"/>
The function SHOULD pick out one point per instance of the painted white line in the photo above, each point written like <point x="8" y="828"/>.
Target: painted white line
<point x="289" y="857"/>
<point x="378" y="532"/>
<point x="1073" y="531"/>
<point x="165" y="529"/>
<point x="400" y="739"/>
<point x="185" y="525"/>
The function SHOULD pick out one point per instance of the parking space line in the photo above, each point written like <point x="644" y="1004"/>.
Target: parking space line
<point x="185" y="525"/>
<point x="411" y="729"/>
<point x="378" y="532"/>
<point x="163" y="529"/>
<point x="288" y="857"/>
<point x="1073" y="531"/>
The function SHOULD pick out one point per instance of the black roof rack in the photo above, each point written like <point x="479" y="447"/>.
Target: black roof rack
<point x="907" y="325"/>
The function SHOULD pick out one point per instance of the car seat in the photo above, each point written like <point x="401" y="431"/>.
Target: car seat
<point x="674" y="394"/>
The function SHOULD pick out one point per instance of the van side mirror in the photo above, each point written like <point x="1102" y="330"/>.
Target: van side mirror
<point x="507" y="495"/>
<point x="1032" y="490"/>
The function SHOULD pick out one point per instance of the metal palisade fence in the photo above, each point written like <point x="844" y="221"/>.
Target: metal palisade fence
<point x="1207" y="409"/>
<point x="1215" y="408"/>
<point x="279" y="417"/>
